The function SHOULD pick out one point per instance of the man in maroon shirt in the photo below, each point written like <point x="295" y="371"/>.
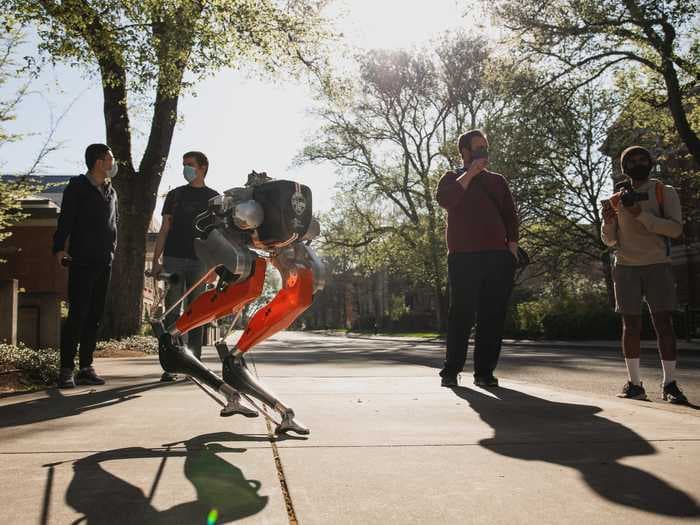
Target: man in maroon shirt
<point x="482" y="241"/>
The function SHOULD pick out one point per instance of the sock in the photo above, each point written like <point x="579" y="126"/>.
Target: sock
<point x="669" y="371"/>
<point x="633" y="370"/>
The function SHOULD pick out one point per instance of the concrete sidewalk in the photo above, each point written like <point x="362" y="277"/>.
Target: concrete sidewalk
<point x="388" y="445"/>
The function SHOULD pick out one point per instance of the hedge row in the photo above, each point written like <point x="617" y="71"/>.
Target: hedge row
<point x="41" y="365"/>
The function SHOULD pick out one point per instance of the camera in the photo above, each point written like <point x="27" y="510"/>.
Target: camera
<point x="628" y="196"/>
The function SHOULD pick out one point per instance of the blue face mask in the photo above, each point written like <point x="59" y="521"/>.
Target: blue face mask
<point x="189" y="173"/>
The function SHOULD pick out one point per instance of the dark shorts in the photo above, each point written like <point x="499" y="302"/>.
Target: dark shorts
<point x="653" y="283"/>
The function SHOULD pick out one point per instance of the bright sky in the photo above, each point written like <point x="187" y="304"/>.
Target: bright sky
<point x="240" y="123"/>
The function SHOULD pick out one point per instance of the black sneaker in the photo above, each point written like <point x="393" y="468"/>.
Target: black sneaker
<point x="449" y="381"/>
<point x="88" y="376"/>
<point x="485" y="381"/>
<point x="65" y="378"/>
<point x="674" y="395"/>
<point x="167" y="377"/>
<point x="632" y="391"/>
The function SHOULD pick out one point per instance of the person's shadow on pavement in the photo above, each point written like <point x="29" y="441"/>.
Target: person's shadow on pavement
<point x="58" y="404"/>
<point x="535" y="429"/>
<point x="101" y="497"/>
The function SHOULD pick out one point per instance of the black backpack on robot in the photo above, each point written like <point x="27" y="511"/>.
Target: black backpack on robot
<point x="288" y="207"/>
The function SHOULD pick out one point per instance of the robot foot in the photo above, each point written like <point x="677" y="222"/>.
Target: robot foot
<point x="234" y="407"/>
<point x="288" y="424"/>
<point x="237" y="375"/>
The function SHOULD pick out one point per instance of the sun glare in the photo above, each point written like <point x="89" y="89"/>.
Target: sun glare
<point x="393" y="24"/>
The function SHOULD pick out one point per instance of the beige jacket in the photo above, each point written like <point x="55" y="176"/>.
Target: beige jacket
<point x="639" y="241"/>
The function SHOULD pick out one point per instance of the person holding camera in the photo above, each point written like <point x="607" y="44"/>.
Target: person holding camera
<point x="638" y="222"/>
<point x="175" y="241"/>
<point x="88" y="223"/>
<point x="482" y="242"/>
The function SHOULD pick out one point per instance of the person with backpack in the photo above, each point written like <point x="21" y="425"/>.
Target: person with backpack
<point x="638" y="222"/>
<point x="176" y="241"/>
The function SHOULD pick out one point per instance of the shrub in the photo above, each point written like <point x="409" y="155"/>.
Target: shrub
<point x="36" y="365"/>
<point x="578" y="309"/>
<point x="573" y="324"/>
<point x="135" y="343"/>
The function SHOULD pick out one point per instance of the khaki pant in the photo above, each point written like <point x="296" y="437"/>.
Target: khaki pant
<point x="653" y="283"/>
<point x="189" y="271"/>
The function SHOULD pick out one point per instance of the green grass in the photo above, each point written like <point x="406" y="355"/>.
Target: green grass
<point x="417" y="335"/>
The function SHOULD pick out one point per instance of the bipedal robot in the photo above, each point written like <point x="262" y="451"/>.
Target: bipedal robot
<point x="242" y="230"/>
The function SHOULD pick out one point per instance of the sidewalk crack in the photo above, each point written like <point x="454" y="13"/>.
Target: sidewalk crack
<point x="288" y="503"/>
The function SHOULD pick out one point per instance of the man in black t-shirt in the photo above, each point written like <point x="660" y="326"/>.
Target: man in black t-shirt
<point x="176" y="240"/>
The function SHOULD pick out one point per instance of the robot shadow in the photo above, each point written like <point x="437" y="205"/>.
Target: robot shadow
<point x="534" y="429"/>
<point x="104" y="498"/>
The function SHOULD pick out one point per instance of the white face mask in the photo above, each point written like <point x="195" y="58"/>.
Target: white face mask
<point x="113" y="170"/>
<point x="189" y="173"/>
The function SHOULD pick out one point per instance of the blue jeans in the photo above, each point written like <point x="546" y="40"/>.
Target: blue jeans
<point x="188" y="271"/>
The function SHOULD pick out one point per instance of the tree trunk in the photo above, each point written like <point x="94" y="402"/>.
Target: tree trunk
<point x="123" y="316"/>
<point x="680" y="117"/>
<point x="137" y="194"/>
<point x="440" y="317"/>
<point x="442" y="310"/>
<point x="437" y="269"/>
<point x="606" y="260"/>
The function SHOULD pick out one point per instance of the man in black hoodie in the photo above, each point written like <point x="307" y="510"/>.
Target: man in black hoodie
<point x="88" y="224"/>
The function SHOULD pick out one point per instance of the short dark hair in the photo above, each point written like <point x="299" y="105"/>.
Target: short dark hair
<point x="199" y="157"/>
<point x="465" y="139"/>
<point x="93" y="153"/>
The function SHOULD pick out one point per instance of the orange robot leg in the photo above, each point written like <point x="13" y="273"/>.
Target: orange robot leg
<point x="212" y="304"/>
<point x="295" y="297"/>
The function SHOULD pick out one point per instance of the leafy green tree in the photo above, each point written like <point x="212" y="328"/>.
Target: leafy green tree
<point x="583" y="39"/>
<point x="580" y="175"/>
<point x="391" y="130"/>
<point x="387" y="130"/>
<point x="148" y="52"/>
<point x="13" y="191"/>
<point x="10" y="194"/>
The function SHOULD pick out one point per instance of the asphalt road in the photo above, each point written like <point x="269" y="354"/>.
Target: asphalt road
<point x="595" y="370"/>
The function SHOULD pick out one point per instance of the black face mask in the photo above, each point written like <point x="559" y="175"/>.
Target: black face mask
<point x="638" y="171"/>
<point x="480" y="154"/>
